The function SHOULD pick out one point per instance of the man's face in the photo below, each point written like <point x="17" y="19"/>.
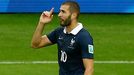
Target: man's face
<point x="65" y="15"/>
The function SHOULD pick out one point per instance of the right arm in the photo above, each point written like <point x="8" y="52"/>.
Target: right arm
<point x="38" y="40"/>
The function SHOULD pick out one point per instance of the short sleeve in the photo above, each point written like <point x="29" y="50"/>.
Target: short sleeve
<point x="86" y="45"/>
<point x="52" y="36"/>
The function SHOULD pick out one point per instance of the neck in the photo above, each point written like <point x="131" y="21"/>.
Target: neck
<point x="71" y="26"/>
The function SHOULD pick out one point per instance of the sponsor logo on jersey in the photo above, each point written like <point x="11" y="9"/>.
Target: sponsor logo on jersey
<point x="60" y="38"/>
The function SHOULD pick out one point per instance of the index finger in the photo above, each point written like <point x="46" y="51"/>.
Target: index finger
<point x="51" y="11"/>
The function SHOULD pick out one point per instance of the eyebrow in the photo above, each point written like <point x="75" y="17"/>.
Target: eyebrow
<point x="62" y="10"/>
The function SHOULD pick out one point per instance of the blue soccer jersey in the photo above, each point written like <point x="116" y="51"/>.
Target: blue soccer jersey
<point x="72" y="48"/>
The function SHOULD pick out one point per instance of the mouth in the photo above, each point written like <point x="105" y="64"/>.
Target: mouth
<point x="61" y="20"/>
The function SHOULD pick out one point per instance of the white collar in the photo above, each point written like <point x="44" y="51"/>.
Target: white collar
<point x="75" y="30"/>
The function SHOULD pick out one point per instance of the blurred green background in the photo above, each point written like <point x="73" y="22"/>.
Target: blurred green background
<point x="113" y="41"/>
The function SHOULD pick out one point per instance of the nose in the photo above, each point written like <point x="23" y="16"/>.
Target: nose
<point x="59" y="15"/>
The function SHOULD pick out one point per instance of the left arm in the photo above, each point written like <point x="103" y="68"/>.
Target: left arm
<point x="87" y="51"/>
<point x="89" y="66"/>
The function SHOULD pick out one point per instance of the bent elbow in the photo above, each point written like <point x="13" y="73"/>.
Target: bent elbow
<point x="34" y="46"/>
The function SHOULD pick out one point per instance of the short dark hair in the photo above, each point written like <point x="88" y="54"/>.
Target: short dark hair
<point x="74" y="7"/>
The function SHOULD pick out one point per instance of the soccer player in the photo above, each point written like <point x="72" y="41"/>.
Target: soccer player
<point x="75" y="44"/>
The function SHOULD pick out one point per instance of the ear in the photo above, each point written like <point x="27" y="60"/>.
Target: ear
<point x="74" y="15"/>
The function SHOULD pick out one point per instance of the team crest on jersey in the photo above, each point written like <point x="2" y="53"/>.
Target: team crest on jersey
<point x="90" y="49"/>
<point x="72" y="42"/>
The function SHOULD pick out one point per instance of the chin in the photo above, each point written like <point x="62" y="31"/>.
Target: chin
<point x="62" y="25"/>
